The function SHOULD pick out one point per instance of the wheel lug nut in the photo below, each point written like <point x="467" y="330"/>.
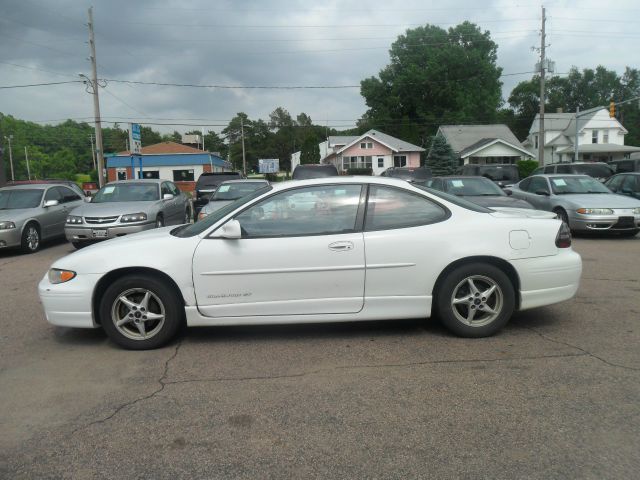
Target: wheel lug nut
<point x="477" y="294"/>
<point x="133" y="308"/>
<point x="473" y="307"/>
<point x="484" y="299"/>
<point x="144" y="318"/>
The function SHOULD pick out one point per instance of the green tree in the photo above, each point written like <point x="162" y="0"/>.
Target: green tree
<point x="435" y="76"/>
<point x="441" y="159"/>
<point x="310" y="152"/>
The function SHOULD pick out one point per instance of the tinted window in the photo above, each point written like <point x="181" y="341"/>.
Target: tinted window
<point x="472" y="187"/>
<point x="631" y="183"/>
<point x="10" y="199"/>
<point x="621" y="167"/>
<point x="459" y="201"/>
<point x="538" y="184"/>
<point x="538" y="171"/>
<point x="303" y="172"/>
<point x="549" y="169"/>
<point x="68" y="195"/>
<point x="175" y="190"/>
<point x="53" y="194"/>
<point x="500" y="173"/>
<point x="320" y="210"/>
<point x="615" y="182"/>
<point x="213" y="179"/>
<point x="416" y="174"/>
<point x="524" y="184"/>
<point x="594" y="170"/>
<point x="563" y="169"/>
<point x="165" y="189"/>
<point x="233" y="191"/>
<point x="390" y="208"/>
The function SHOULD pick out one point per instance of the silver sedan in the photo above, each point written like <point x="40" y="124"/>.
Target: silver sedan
<point x="30" y="214"/>
<point x="582" y="202"/>
<point x="228" y="192"/>
<point x="125" y="207"/>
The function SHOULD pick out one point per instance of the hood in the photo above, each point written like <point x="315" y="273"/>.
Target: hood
<point x="214" y="205"/>
<point x="506" y="212"/>
<point x="599" y="200"/>
<point x="111" y="208"/>
<point x="17" y="214"/>
<point x="498" y="201"/>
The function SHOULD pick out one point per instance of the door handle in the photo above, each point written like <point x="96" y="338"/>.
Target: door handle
<point x="341" y="246"/>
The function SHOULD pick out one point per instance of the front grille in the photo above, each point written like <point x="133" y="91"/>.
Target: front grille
<point x="100" y="220"/>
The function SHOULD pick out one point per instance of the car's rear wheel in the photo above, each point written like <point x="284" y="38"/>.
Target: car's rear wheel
<point x="30" y="238"/>
<point x="139" y="312"/>
<point x="475" y="300"/>
<point x="78" y="245"/>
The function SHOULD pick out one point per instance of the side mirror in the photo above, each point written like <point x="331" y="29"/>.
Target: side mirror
<point x="167" y="196"/>
<point x="543" y="192"/>
<point x="508" y="192"/>
<point x="51" y="203"/>
<point x="87" y="199"/>
<point x="230" y="230"/>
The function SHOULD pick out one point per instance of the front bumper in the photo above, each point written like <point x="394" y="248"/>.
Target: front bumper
<point x="86" y="233"/>
<point x="621" y="220"/>
<point x="69" y="304"/>
<point x="10" y="238"/>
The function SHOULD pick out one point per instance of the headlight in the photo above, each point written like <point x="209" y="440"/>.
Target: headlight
<point x="7" y="225"/>
<point x="133" y="217"/>
<point x="636" y="211"/>
<point x="202" y="215"/>
<point x="60" y="276"/>
<point x="595" y="211"/>
<point x="74" y="219"/>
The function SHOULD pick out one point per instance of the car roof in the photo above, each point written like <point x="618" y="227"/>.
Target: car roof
<point x="463" y="176"/>
<point x="555" y="175"/>
<point x="34" y="186"/>
<point x="341" y="179"/>
<point x="624" y="173"/>
<point x="156" y="181"/>
<point x="245" y="180"/>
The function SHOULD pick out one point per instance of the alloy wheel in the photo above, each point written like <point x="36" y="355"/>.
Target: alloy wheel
<point x="138" y="314"/>
<point x="477" y="301"/>
<point x="33" y="238"/>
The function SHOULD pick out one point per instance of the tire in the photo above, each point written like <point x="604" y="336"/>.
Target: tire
<point x="187" y="216"/>
<point x="462" y="317"/>
<point x="78" y="245"/>
<point x="562" y="215"/>
<point x="127" y="323"/>
<point x="31" y="240"/>
<point x="159" y="221"/>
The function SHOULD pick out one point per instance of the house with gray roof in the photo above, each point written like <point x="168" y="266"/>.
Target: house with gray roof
<point x="482" y="144"/>
<point x="600" y="137"/>
<point x="374" y="149"/>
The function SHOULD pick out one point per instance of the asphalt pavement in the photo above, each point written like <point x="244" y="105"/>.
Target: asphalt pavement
<point x="555" y="395"/>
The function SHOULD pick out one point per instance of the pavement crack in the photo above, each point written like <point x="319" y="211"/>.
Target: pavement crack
<point x="586" y="352"/>
<point x="380" y="365"/>
<point x="161" y="382"/>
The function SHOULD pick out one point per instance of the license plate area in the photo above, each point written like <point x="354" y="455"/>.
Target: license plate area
<point x="625" y="222"/>
<point x="99" y="233"/>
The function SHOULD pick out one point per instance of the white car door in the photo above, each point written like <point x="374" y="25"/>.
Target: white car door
<point x="301" y="252"/>
<point x="408" y="242"/>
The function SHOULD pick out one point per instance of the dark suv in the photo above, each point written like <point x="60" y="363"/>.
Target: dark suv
<point x="304" y="172"/>
<point x="410" y="174"/>
<point x="598" y="170"/>
<point x="206" y="185"/>
<point x="503" y="174"/>
<point x="626" y="165"/>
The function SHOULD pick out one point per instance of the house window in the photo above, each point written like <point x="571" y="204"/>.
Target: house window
<point x="366" y="145"/>
<point x="605" y="136"/>
<point x="369" y="145"/>
<point x="380" y="162"/>
<point x="594" y="136"/>
<point x="149" y="174"/>
<point x="183" y="176"/>
<point x="535" y="141"/>
<point x="363" y="145"/>
<point x="122" y="174"/>
<point x="399" y="160"/>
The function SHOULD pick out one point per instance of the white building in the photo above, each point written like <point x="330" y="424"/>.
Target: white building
<point x="600" y="137"/>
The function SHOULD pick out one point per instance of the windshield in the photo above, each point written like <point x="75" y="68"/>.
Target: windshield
<point x="455" y="200"/>
<point x="499" y="174"/>
<point x="472" y="187"/>
<point x="128" y="192"/>
<point x="594" y="170"/>
<point x="199" y="227"/>
<point x="212" y="180"/>
<point x="233" y="191"/>
<point x="577" y="184"/>
<point x="12" y="199"/>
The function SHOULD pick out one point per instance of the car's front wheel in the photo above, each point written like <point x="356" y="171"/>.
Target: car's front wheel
<point x="139" y="312"/>
<point x="30" y="242"/>
<point x="475" y="300"/>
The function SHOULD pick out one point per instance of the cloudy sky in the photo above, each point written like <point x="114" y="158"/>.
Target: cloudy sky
<point x="268" y="43"/>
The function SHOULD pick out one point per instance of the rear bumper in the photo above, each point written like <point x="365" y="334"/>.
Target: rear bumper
<point x="69" y="304"/>
<point x="85" y="233"/>
<point x="548" y="280"/>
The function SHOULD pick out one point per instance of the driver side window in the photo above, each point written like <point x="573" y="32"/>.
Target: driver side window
<point x="538" y="183"/>
<point x="321" y="210"/>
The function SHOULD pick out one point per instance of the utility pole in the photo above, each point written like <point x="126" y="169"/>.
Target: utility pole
<point x="93" y="152"/>
<point x="542" y="68"/>
<point x="244" y="160"/>
<point x="202" y="138"/>
<point x="96" y="102"/>
<point x="9" y="138"/>
<point x="26" y="157"/>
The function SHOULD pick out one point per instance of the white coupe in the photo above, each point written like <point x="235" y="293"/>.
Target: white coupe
<point x="325" y="250"/>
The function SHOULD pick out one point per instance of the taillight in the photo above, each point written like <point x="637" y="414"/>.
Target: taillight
<point x="563" y="239"/>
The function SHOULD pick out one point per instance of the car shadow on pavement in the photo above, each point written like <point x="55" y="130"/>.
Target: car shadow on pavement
<point x="535" y="318"/>
<point x="79" y="336"/>
<point x="16" y="252"/>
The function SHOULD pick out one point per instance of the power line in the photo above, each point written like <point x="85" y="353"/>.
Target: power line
<point x="40" y="84"/>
